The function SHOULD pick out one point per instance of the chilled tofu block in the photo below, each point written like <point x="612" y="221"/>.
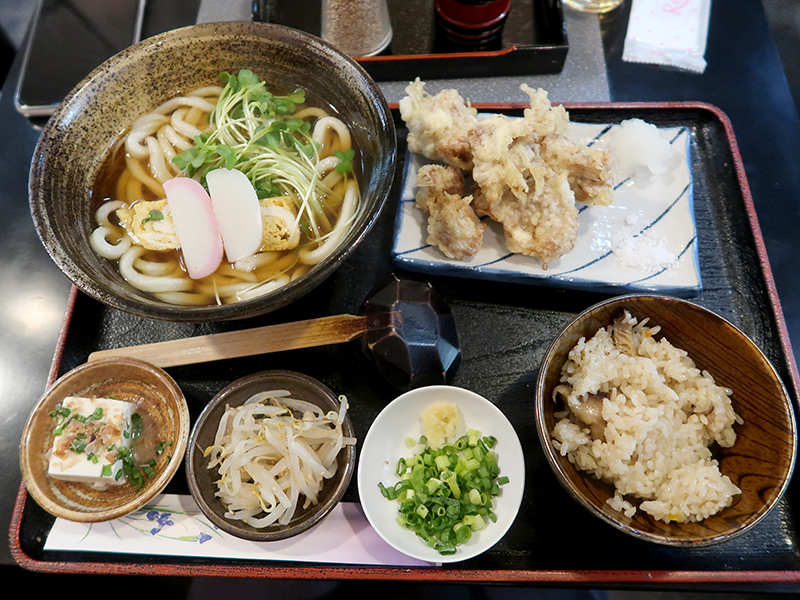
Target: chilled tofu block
<point x="87" y="437"/>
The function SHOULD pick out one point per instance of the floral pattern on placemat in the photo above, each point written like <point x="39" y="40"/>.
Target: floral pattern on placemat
<point x="173" y="525"/>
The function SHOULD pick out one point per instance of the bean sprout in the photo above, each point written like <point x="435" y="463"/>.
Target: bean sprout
<point x="274" y="454"/>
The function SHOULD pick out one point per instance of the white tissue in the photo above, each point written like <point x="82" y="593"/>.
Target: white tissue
<point x="668" y="32"/>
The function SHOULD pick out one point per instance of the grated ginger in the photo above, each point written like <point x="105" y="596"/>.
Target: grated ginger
<point x="439" y="422"/>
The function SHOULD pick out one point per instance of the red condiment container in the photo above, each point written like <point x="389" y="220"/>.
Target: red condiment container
<point x="472" y="21"/>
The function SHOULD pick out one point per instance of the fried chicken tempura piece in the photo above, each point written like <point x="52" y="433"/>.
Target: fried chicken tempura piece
<point x="438" y="125"/>
<point x="503" y="160"/>
<point x="527" y="174"/>
<point x="434" y="181"/>
<point x="504" y="149"/>
<point x="544" y="223"/>
<point x="452" y="224"/>
<point x="543" y="117"/>
<point x="519" y="189"/>
<point x="456" y="229"/>
<point x="588" y="169"/>
<point x="530" y="191"/>
<point x="541" y="222"/>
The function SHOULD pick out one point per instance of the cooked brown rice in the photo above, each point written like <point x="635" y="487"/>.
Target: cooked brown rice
<point x="642" y="416"/>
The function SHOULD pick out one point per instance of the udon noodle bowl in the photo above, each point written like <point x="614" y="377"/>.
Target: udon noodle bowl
<point x="297" y="157"/>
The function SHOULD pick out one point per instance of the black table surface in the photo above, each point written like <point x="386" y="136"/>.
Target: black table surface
<point x="744" y="78"/>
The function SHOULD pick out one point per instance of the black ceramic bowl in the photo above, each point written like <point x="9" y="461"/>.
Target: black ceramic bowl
<point x="201" y="479"/>
<point x="74" y="145"/>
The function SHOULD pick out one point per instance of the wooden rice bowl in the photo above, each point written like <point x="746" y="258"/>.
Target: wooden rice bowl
<point x="761" y="461"/>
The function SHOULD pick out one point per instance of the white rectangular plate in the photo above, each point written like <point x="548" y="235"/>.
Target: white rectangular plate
<point x="645" y="241"/>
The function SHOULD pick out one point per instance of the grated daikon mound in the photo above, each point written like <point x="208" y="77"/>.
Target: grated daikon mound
<point x="639" y="146"/>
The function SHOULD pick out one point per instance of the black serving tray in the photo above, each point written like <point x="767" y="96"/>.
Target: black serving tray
<point x="504" y="330"/>
<point x="533" y="42"/>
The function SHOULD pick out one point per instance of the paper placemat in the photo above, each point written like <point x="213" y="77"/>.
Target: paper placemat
<point x="173" y="525"/>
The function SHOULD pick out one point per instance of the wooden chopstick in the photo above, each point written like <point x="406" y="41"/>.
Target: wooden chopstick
<point x="246" y="342"/>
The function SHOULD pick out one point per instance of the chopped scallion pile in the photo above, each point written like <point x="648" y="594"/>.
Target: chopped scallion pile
<point x="447" y="494"/>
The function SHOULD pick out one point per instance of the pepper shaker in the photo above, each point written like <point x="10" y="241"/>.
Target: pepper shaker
<point x="357" y="27"/>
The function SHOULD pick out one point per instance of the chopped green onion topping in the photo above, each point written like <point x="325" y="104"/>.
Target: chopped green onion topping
<point x="61" y="411"/>
<point x="447" y="494"/>
<point x="64" y="416"/>
<point x="136" y="425"/>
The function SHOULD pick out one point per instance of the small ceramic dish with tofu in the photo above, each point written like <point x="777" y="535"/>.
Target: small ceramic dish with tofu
<point x="105" y="439"/>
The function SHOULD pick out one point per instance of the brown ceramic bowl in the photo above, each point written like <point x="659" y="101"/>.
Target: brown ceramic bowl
<point x="761" y="461"/>
<point x="202" y="479"/>
<point x="163" y="409"/>
<point x="73" y="147"/>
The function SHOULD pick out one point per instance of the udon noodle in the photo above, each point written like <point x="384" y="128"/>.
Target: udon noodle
<point x="307" y="204"/>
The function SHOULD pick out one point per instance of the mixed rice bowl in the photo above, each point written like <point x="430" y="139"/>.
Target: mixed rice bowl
<point x="639" y="414"/>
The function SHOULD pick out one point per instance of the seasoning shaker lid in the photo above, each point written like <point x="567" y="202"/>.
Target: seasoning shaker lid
<point x="357" y="27"/>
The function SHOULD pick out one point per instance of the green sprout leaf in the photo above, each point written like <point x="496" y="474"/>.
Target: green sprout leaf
<point x="346" y="166"/>
<point x="229" y="154"/>
<point x="153" y="215"/>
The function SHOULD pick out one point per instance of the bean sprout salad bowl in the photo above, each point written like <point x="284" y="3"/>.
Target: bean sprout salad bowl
<point x="271" y="455"/>
<point x="213" y="172"/>
<point x="446" y="504"/>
